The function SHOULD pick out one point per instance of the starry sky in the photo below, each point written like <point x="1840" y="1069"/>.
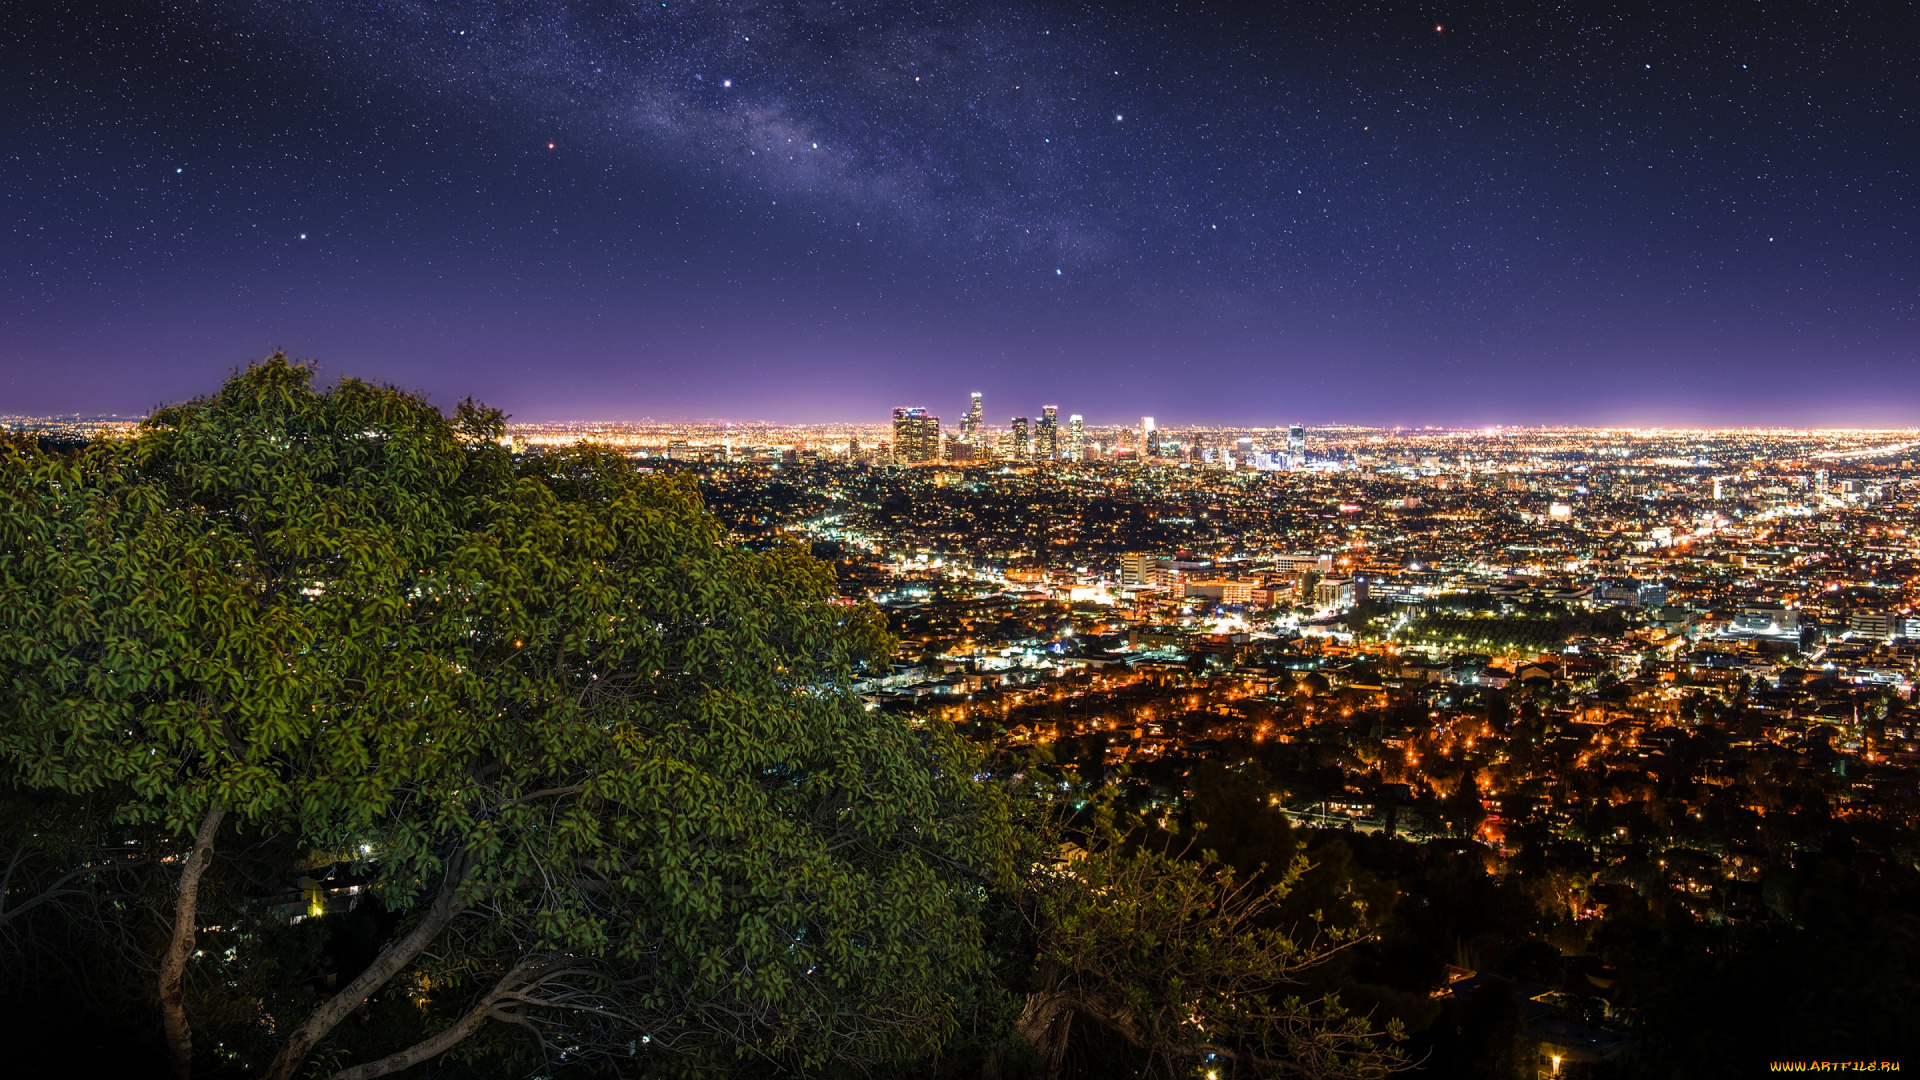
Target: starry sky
<point x="1255" y="213"/>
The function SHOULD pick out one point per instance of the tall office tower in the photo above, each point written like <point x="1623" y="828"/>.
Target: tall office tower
<point x="970" y="427"/>
<point x="1076" y="439"/>
<point x="916" y="437"/>
<point x="1020" y="438"/>
<point x="1149" y="438"/>
<point x="1297" y="440"/>
<point x="1046" y="439"/>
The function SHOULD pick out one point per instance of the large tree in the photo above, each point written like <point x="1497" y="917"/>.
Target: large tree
<point x="609" y="766"/>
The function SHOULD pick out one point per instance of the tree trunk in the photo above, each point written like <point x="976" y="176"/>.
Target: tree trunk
<point x="1047" y="1031"/>
<point x="446" y="906"/>
<point x="1044" y="1023"/>
<point x="523" y="973"/>
<point x="186" y="914"/>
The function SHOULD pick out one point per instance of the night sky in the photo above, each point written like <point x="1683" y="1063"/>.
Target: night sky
<point x="1248" y="213"/>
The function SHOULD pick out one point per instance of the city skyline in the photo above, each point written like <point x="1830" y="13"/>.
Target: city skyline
<point x="106" y="420"/>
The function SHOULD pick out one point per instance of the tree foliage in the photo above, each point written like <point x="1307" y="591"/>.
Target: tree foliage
<point x="1186" y="962"/>
<point x="608" y="767"/>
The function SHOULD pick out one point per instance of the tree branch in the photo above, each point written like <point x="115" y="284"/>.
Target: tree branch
<point x="543" y="793"/>
<point x="446" y="906"/>
<point x="488" y="1008"/>
<point x="47" y="895"/>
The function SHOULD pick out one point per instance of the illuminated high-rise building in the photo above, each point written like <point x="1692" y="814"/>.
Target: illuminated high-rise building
<point x="1020" y="439"/>
<point x="970" y="427"/>
<point x="1046" y="438"/>
<point x="916" y="436"/>
<point x="1297" y="440"/>
<point x="1076" y="439"/>
<point x="1149" y="438"/>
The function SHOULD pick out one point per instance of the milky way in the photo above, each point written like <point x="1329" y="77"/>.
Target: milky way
<point x="1238" y="212"/>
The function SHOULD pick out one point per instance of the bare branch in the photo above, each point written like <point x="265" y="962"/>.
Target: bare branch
<point x="446" y="907"/>
<point x="496" y="1005"/>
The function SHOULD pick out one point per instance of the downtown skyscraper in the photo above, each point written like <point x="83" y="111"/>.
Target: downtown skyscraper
<point x="970" y="426"/>
<point x="916" y="436"/>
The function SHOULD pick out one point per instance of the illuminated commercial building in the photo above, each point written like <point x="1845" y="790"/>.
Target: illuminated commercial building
<point x="916" y="436"/>
<point x="1020" y="438"/>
